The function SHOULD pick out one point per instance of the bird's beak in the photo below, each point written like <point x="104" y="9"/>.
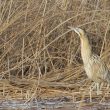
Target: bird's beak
<point x="77" y="30"/>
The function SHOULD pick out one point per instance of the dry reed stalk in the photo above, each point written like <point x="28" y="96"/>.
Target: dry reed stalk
<point x="39" y="56"/>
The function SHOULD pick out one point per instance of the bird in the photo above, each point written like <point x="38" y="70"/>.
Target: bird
<point x="95" y="68"/>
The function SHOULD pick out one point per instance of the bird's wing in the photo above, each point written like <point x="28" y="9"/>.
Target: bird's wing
<point x="99" y="69"/>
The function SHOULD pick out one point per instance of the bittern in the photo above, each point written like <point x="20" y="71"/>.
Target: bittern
<point x="95" y="68"/>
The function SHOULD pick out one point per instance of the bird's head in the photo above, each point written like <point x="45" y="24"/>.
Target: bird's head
<point x="79" y="31"/>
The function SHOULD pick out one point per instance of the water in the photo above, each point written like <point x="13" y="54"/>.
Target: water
<point x="52" y="104"/>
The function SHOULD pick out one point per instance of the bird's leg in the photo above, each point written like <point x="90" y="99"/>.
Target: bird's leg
<point x="101" y="85"/>
<point x="98" y="88"/>
<point x="108" y="85"/>
<point x="92" y="87"/>
<point x="90" y="92"/>
<point x="98" y="85"/>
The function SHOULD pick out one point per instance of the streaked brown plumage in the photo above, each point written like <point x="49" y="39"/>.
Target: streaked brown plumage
<point x="96" y="70"/>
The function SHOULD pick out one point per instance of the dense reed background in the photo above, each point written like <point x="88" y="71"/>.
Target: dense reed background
<point x="40" y="56"/>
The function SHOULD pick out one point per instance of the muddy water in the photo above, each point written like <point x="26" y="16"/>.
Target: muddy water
<point x="52" y="104"/>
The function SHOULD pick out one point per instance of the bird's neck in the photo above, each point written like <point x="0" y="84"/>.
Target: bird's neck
<point x="85" y="49"/>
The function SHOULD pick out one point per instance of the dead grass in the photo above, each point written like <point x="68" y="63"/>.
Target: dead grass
<point x="40" y="57"/>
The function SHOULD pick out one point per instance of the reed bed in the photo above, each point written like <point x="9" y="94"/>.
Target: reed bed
<point x="39" y="55"/>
